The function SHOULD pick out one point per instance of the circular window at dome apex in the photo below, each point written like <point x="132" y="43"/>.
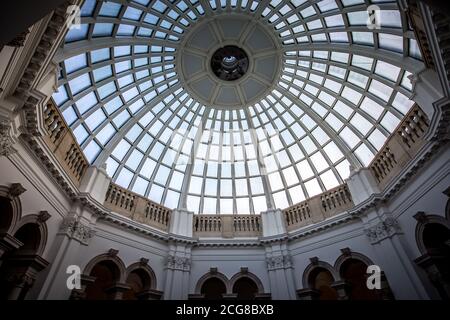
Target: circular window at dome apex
<point x="229" y="63"/>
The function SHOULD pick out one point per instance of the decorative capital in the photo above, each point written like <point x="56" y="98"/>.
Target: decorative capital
<point x="281" y="261"/>
<point x="178" y="263"/>
<point x="19" y="40"/>
<point x="16" y="190"/>
<point x="6" y="143"/>
<point x="382" y="230"/>
<point x="74" y="229"/>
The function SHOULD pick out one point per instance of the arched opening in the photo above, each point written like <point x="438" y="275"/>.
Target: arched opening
<point x="245" y="288"/>
<point x="436" y="239"/>
<point x="20" y="266"/>
<point x="30" y="235"/>
<point x="106" y="274"/>
<point x="139" y="281"/>
<point x="6" y="214"/>
<point x="321" y="280"/>
<point x="213" y="289"/>
<point x="354" y="272"/>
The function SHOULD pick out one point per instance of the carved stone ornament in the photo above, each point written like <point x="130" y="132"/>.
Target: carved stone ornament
<point x="16" y="190"/>
<point x="6" y="143"/>
<point x="314" y="261"/>
<point x="113" y="253"/>
<point x="346" y="252"/>
<point x="383" y="230"/>
<point x="76" y="230"/>
<point x="143" y="261"/>
<point x="43" y="216"/>
<point x="19" y="40"/>
<point x="279" y="262"/>
<point x="178" y="263"/>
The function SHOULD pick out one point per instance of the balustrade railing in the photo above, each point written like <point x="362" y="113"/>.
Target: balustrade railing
<point x="63" y="144"/>
<point x="318" y="208"/>
<point x="401" y="147"/>
<point x="227" y="226"/>
<point x="137" y="207"/>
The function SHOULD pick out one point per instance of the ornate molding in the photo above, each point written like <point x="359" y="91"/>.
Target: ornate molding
<point x="281" y="261"/>
<point x="178" y="263"/>
<point x="6" y="142"/>
<point x="76" y="230"/>
<point x="19" y="40"/>
<point x="382" y="230"/>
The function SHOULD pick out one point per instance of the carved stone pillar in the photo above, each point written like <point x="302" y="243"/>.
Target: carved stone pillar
<point x="178" y="268"/>
<point x="6" y="142"/>
<point x="75" y="232"/>
<point x="391" y="255"/>
<point x="280" y="268"/>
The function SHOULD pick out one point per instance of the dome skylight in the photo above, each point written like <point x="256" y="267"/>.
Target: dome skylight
<point x="331" y="92"/>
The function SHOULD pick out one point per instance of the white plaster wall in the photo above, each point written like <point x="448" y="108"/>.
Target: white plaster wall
<point x="424" y="192"/>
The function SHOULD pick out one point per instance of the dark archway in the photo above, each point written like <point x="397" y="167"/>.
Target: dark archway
<point x="20" y="266"/>
<point x="106" y="274"/>
<point x="436" y="239"/>
<point x="213" y="289"/>
<point x="6" y="214"/>
<point x="245" y="288"/>
<point x="139" y="281"/>
<point x="321" y="279"/>
<point x="354" y="273"/>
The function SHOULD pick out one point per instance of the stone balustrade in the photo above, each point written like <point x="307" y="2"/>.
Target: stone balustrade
<point x="63" y="144"/>
<point x="136" y="207"/>
<point x="227" y="226"/>
<point x="400" y="148"/>
<point x="318" y="208"/>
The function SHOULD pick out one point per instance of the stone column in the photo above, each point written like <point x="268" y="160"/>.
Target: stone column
<point x="278" y="258"/>
<point x="385" y="235"/>
<point x="75" y="233"/>
<point x="178" y="268"/>
<point x="280" y="269"/>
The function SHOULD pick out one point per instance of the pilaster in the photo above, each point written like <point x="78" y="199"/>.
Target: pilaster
<point x="178" y="268"/>
<point x="385" y="235"/>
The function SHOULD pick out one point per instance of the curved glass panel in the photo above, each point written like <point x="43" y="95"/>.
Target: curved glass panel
<point x="342" y="89"/>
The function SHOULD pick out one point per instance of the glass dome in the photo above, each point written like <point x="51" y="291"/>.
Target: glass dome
<point x="326" y="96"/>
